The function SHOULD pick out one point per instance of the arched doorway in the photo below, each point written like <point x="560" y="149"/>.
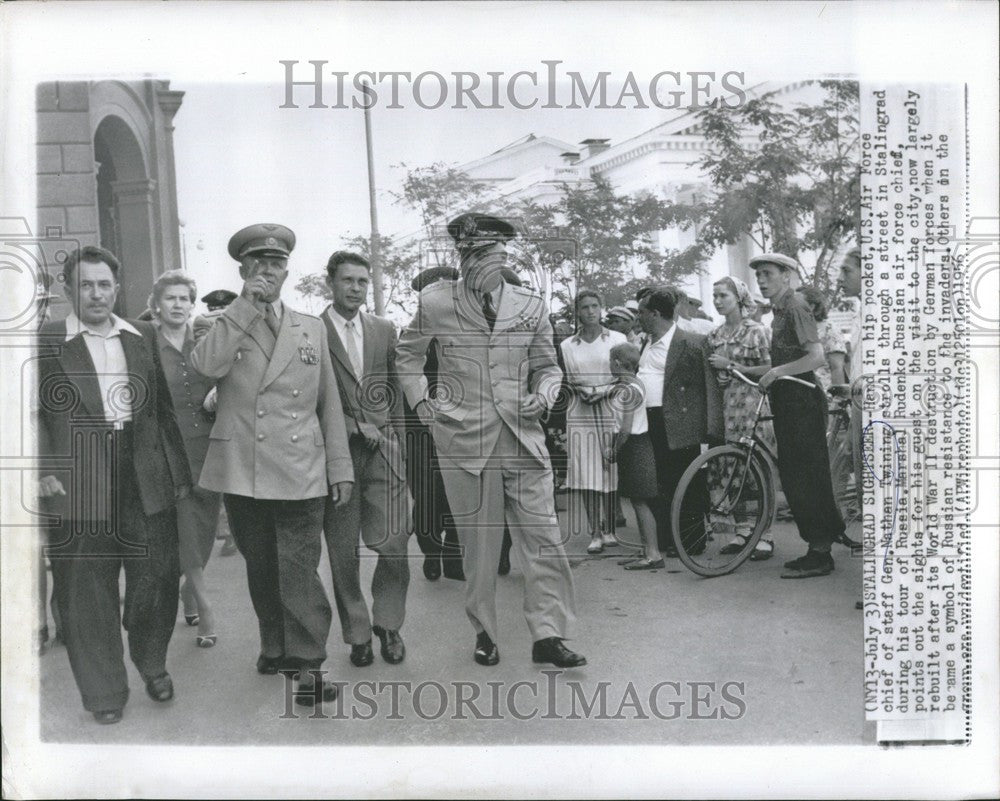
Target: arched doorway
<point x="125" y="210"/>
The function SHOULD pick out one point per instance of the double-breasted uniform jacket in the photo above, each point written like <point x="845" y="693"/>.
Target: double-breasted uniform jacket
<point x="279" y="430"/>
<point x="483" y="376"/>
<point x="376" y="398"/>
<point x="71" y="425"/>
<point x="692" y="401"/>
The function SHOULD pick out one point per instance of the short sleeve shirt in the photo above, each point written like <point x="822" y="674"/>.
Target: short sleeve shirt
<point x="792" y="329"/>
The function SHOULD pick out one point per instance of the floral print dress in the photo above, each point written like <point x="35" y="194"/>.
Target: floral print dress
<point x="747" y="345"/>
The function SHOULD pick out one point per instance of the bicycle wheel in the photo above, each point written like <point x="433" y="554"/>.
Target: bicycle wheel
<point x="838" y="445"/>
<point x="724" y="490"/>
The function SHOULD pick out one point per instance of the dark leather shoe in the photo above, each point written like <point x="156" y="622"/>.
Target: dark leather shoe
<point x="270" y="665"/>
<point x="486" y="652"/>
<point x="552" y="650"/>
<point x="432" y="568"/>
<point x="393" y="650"/>
<point x="108" y="716"/>
<point x="160" y="688"/>
<point x="361" y="654"/>
<point x="504" y="567"/>
<point x="453" y="570"/>
<point x="843" y="539"/>
<point x="313" y="692"/>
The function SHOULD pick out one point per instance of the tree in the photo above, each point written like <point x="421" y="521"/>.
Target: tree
<point x="617" y="239"/>
<point x="591" y="237"/>
<point x="788" y="178"/>
<point x="400" y="262"/>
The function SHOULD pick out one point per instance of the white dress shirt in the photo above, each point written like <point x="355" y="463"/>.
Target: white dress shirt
<point x="355" y="332"/>
<point x="652" y="364"/>
<point x="109" y="363"/>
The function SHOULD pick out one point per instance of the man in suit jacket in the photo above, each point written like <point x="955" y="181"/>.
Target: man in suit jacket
<point x="683" y="407"/>
<point x="277" y="449"/>
<point x="363" y="348"/>
<point x="497" y="375"/>
<point x="113" y="465"/>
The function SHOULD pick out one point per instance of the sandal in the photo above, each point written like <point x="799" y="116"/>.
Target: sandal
<point x="645" y="564"/>
<point x="763" y="551"/>
<point x="735" y="546"/>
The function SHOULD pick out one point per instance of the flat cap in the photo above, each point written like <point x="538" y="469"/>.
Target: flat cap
<point x="480" y="226"/>
<point x="779" y="259"/>
<point x="218" y="298"/>
<point x="621" y="311"/>
<point x="277" y="240"/>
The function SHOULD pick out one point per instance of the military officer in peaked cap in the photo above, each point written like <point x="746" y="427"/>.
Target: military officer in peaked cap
<point x="497" y="375"/>
<point x="278" y="448"/>
<point x="218" y="299"/>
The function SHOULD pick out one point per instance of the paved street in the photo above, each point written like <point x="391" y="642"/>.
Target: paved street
<point x="795" y="646"/>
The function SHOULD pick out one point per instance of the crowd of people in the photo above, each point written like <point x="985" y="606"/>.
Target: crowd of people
<point x="308" y="428"/>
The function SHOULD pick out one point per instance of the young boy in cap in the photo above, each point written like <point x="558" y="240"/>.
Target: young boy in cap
<point x="799" y="416"/>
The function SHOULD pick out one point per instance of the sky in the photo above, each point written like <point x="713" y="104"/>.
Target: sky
<point x="241" y="159"/>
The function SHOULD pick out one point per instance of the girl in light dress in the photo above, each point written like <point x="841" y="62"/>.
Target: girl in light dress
<point x="632" y="451"/>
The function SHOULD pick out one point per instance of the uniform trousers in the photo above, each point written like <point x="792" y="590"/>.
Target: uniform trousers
<point x="379" y="509"/>
<point x="514" y="486"/>
<point x="432" y="521"/>
<point x="87" y="559"/>
<point x="281" y="542"/>
<point x="803" y="461"/>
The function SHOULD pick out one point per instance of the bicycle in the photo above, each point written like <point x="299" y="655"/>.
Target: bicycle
<point x="737" y="481"/>
<point x="839" y="445"/>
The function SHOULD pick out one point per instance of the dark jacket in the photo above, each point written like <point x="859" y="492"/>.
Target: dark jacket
<point x="692" y="400"/>
<point x="72" y="428"/>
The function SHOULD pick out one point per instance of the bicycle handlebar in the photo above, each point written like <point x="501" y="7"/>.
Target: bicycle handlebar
<point x="755" y="385"/>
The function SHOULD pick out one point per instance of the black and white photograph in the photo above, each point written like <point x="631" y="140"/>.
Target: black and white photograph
<point x="531" y="398"/>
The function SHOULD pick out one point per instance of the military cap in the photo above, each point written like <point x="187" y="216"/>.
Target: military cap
<point x="778" y="259"/>
<point x="429" y="276"/>
<point x="219" y="298"/>
<point x="276" y="240"/>
<point x="622" y="311"/>
<point x="480" y="226"/>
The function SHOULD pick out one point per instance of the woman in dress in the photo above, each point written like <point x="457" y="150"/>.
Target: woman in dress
<point x="590" y="423"/>
<point x="739" y="342"/>
<point x="172" y="302"/>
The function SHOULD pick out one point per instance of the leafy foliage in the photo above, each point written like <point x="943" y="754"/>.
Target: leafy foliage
<point x="788" y="178"/>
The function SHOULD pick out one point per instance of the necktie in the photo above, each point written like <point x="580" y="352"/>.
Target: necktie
<point x="488" y="311"/>
<point x="352" y="348"/>
<point x="271" y="319"/>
